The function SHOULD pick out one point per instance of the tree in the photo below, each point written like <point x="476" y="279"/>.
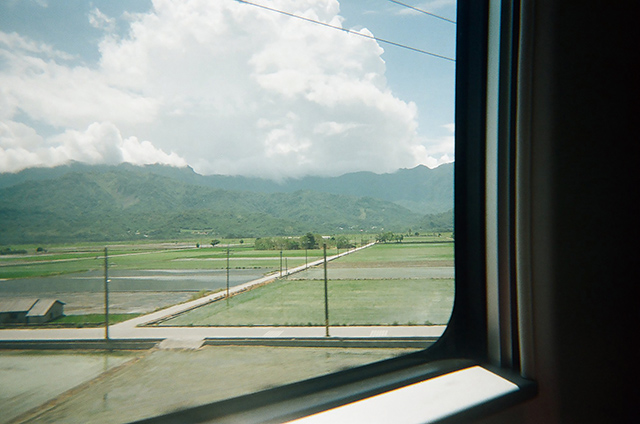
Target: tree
<point x="214" y="242"/>
<point x="385" y="237"/>
<point x="265" y="243"/>
<point x="292" y="244"/>
<point x="308" y="241"/>
<point x="342" y="242"/>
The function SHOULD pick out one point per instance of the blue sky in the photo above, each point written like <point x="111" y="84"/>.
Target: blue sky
<point x="225" y="87"/>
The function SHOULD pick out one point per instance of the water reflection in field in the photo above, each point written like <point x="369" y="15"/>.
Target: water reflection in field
<point x="32" y="378"/>
<point x="162" y="381"/>
<point x="131" y="291"/>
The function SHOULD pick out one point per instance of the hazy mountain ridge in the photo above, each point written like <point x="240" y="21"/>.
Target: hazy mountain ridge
<point x="82" y="202"/>
<point x="420" y="189"/>
<point x="120" y="204"/>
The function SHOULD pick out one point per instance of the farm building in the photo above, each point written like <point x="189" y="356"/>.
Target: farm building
<point x="29" y="310"/>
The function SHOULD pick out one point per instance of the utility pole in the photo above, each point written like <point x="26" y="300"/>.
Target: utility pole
<point x="227" y="276"/>
<point x="106" y="293"/>
<point x="326" y="293"/>
<point x="280" y="263"/>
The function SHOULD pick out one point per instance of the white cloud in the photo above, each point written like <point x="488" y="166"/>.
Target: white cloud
<point x="64" y="96"/>
<point x="227" y="87"/>
<point x="99" y="20"/>
<point x="438" y="150"/>
<point x="145" y="153"/>
<point x="15" y="42"/>
<point x="21" y="147"/>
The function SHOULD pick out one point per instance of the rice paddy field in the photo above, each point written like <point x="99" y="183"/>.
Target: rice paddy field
<point x="143" y="278"/>
<point x="387" y="284"/>
<point x="394" y="284"/>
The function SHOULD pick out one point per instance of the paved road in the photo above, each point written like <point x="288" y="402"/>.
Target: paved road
<point x="135" y="328"/>
<point x="200" y="333"/>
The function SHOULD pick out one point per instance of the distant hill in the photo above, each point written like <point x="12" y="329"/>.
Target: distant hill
<point x="120" y="204"/>
<point x="126" y="202"/>
<point x="420" y="189"/>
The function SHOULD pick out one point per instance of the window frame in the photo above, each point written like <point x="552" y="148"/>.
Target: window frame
<point x="488" y="325"/>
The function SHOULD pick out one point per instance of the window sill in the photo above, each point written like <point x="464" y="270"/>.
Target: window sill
<point x="428" y="401"/>
<point x="438" y="391"/>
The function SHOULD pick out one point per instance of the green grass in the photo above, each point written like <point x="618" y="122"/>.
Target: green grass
<point x="142" y="257"/>
<point x="402" y="252"/>
<point x="92" y="319"/>
<point x="42" y="269"/>
<point x="351" y="302"/>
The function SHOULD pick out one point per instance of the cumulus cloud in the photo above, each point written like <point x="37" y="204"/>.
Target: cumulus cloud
<point x="60" y="95"/>
<point x="224" y="86"/>
<point x="437" y="151"/>
<point x="101" y="143"/>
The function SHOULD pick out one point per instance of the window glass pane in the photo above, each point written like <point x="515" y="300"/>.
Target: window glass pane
<point x="215" y="149"/>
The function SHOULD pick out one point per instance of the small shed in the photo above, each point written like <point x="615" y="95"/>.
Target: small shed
<point x="45" y="310"/>
<point x="29" y="310"/>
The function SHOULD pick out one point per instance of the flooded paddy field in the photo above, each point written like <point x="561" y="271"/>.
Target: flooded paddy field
<point x="385" y="284"/>
<point x="162" y="381"/>
<point x="33" y="378"/>
<point x="130" y="291"/>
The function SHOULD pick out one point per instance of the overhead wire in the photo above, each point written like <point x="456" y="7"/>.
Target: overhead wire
<point x="423" y="11"/>
<point x="371" y="37"/>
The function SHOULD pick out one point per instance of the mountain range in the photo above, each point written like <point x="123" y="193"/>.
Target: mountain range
<point x="101" y="202"/>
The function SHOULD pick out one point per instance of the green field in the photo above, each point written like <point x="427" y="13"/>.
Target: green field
<point x="91" y="319"/>
<point x="402" y="300"/>
<point x="141" y="257"/>
<point x="408" y="283"/>
<point x="67" y="259"/>
<point x="351" y="302"/>
<point x="402" y="254"/>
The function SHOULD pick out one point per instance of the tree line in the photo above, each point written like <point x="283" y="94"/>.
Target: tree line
<point x="307" y="241"/>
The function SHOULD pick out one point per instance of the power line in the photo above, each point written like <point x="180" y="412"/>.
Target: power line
<point x="423" y="11"/>
<point x="371" y="37"/>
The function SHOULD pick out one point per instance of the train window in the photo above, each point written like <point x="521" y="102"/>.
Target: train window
<point x="302" y="80"/>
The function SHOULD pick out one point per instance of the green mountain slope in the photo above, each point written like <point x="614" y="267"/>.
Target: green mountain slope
<point x="120" y="203"/>
<point x="420" y="189"/>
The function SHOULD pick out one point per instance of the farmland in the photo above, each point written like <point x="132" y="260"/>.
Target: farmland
<point x="388" y="284"/>
<point x="394" y="283"/>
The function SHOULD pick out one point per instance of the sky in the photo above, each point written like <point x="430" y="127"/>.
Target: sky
<point x="226" y="87"/>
